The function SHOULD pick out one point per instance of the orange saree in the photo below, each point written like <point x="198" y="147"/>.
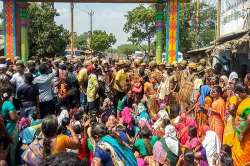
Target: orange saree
<point x="216" y="120"/>
<point x="201" y="117"/>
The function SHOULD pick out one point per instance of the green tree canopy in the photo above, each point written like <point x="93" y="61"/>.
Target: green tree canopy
<point x="45" y="37"/>
<point x="81" y="41"/>
<point x="101" y="40"/>
<point x="140" y="25"/>
<point x="193" y="35"/>
<point x="127" y="49"/>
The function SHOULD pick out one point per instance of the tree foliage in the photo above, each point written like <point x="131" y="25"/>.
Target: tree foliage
<point x="127" y="49"/>
<point x="101" y="41"/>
<point x="193" y="35"/>
<point x="140" y="25"/>
<point x="81" y="41"/>
<point x="45" y="37"/>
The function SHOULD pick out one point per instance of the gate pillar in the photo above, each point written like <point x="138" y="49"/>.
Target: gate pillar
<point x="10" y="37"/>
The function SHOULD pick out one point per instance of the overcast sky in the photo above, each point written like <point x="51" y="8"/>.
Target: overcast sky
<point x="108" y="17"/>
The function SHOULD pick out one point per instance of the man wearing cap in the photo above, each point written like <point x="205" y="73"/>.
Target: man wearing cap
<point x="161" y="66"/>
<point x="203" y="62"/>
<point x="120" y="83"/>
<point x="191" y="71"/>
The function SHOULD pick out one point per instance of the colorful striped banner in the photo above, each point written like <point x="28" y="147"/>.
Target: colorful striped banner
<point x="10" y="29"/>
<point x="23" y="9"/>
<point x="172" y="31"/>
<point x="159" y="23"/>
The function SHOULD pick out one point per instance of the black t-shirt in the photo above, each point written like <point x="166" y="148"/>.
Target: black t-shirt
<point x="27" y="95"/>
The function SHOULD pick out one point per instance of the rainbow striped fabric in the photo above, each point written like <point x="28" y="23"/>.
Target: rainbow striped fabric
<point x="172" y="31"/>
<point x="10" y="29"/>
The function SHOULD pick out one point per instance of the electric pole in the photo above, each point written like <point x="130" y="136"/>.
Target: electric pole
<point x="91" y="13"/>
<point x="218" y="19"/>
<point x="72" y="27"/>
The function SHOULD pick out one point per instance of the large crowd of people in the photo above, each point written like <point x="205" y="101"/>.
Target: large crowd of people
<point x="105" y="112"/>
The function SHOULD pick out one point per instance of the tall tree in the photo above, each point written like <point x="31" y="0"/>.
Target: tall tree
<point x="193" y="35"/>
<point x="101" y="40"/>
<point x="127" y="49"/>
<point x="45" y="37"/>
<point x="141" y="25"/>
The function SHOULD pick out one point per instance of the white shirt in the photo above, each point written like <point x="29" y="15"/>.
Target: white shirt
<point x="17" y="80"/>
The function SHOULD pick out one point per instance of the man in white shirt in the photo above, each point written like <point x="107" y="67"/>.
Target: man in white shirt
<point x="17" y="81"/>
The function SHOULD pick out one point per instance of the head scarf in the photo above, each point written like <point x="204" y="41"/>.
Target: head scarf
<point x="64" y="114"/>
<point x="205" y="91"/>
<point x="143" y="122"/>
<point x="126" y="116"/>
<point x="141" y="108"/>
<point x="90" y="68"/>
<point x="233" y="76"/>
<point x="23" y="123"/>
<point x="171" y="139"/>
<point x="225" y="79"/>
<point x="211" y="144"/>
<point x="163" y="114"/>
<point x="159" y="153"/>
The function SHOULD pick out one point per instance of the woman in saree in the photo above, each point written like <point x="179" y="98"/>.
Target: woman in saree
<point x="241" y="146"/>
<point x="194" y="144"/>
<point x="232" y="102"/>
<point x="144" y="145"/>
<point x="204" y="102"/>
<point x="150" y="95"/>
<point x="167" y="150"/>
<point x="111" y="149"/>
<point x="8" y="113"/>
<point x="182" y="126"/>
<point x="217" y="112"/>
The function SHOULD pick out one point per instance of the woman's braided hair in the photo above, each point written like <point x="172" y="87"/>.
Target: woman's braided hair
<point x="49" y="130"/>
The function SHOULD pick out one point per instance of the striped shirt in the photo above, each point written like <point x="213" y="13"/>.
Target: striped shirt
<point x="44" y="83"/>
